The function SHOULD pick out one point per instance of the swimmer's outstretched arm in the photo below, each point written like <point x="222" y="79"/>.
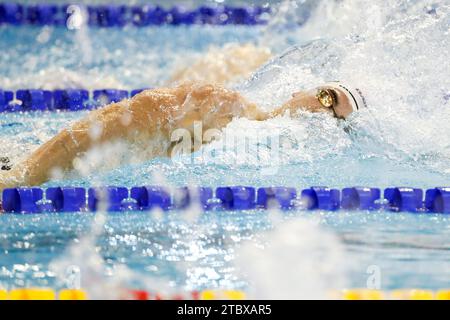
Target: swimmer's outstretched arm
<point x="150" y="113"/>
<point x="127" y="119"/>
<point x="61" y="150"/>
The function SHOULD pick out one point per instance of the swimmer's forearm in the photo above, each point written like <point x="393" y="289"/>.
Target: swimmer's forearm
<point x="61" y="151"/>
<point x="145" y="115"/>
<point x="56" y="154"/>
<point x="127" y="119"/>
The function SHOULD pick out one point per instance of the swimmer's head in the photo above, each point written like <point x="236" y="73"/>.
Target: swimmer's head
<point x="333" y="97"/>
<point x="345" y="98"/>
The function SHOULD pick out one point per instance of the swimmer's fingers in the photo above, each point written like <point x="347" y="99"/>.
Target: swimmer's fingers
<point x="5" y="164"/>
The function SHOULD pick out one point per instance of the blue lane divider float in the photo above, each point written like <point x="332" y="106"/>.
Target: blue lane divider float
<point x="236" y="198"/>
<point x="361" y="198"/>
<point x="116" y="15"/>
<point x="280" y="197"/>
<point x="30" y="100"/>
<point x="11" y="13"/>
<point x="5" y="99"/>
<point x="151" y="197"/>
<point x="106" y="96"/>
<point x="70" y="99"/>
<point x="321" y="198"/>
<point x="438" y="200"/>
<point x="67" y="199"/>
<point x="22" y="200"/>
<point x="404" y="199"/>
<point x="43" y="14"/>
<point x="116" y="199"/>
<point x="35" y="100"/>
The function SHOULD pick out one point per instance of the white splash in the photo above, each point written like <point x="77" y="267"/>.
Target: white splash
<point x="395" y="51"/>
<point x="299" y="260"/>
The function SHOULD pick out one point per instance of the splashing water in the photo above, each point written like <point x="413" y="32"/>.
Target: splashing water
<point x="82" y="266"/>
<point x="395" y="51"/>
<point x="300" y="260"/>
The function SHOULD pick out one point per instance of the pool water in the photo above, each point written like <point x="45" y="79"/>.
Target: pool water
<point x="400" y="141"/>
<point x="409" y="250"/>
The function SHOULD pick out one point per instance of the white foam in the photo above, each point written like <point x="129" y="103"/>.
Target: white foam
<point x="299" y="260"/>
<point x="395" y="51"/>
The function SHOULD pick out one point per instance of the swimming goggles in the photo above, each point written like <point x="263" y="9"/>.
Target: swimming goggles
<point x="326" y="97"/>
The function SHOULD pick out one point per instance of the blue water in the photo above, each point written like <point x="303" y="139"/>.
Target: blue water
<point x="410" y="250"/>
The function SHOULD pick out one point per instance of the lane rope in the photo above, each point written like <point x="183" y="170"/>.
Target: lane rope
<point x="117" y="15"/>
<point x="29" y="200"/>
<point x="34" y="100"/>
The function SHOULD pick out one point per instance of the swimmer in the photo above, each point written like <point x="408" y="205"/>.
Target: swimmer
<point x="157" y="113"/>
<point x="153" y="115"/>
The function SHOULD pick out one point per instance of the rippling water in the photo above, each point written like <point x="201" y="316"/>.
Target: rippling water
<point x="410" y="250"/>
<point x="395" y="51"/>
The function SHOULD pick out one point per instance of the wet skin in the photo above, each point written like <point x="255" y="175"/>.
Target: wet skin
<point x="152" y="113"/>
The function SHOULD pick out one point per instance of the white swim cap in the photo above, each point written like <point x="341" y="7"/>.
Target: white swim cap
<point x="354" y="95"/>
